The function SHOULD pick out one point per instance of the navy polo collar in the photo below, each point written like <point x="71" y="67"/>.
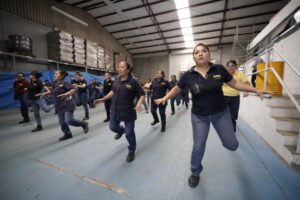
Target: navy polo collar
<point x="210" y="64"/>
<point x="127" y="80"/>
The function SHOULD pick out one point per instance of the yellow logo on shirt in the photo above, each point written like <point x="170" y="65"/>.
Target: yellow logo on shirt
<point x="60" y="85"/>
<point x="109" y="84"/>
<point x="128" y="86"/>
<point x="218" y="76"/>
<point x="163" y="83"/>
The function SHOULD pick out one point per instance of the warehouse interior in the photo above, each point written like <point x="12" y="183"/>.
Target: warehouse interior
<point x="92" y="37"/>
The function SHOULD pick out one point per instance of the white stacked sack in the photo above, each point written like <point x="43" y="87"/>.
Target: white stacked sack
<point x="91" y="54"/>
<point x="79" y="50"/>
<point x="101" y="57"/>
<point x="109" y="60"/>
<point x="60" y="46"/>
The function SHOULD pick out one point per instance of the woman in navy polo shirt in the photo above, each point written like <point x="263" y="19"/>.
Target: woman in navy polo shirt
<point x="205" y="82"/>
<point x="33" y="91"/>
<point x="82" y="94"/>
<point x="65" y="105"/>
<point x="159" y="87"/>
<point x="123" y="93"/>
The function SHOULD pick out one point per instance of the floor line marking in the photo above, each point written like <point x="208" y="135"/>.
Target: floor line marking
<point x="264" y="164"/>
<point x="85" y="178"/>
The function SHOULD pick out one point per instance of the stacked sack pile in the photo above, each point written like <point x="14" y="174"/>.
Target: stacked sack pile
<point x="109" y="60"/>
<point x="79" y="50"/>
<point x="101" y="57"/>
<point x="91" y="54"/>
<point x="60" y="46"/>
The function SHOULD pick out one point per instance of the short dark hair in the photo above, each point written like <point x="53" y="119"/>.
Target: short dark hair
<point x="21" y="74"/>
<point x="231" y="61"/>
<point x="36" y="74"/>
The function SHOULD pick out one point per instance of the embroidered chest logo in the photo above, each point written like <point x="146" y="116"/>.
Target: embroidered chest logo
<point x="163" y="83"/>
<point x="60" y="85"/>
<point x="109" y="84"/>
<point x="217" y="76"/>
<point x="128" y="86"/>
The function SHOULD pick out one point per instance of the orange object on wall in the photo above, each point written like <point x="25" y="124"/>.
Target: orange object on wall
<point x="272" y="82"/>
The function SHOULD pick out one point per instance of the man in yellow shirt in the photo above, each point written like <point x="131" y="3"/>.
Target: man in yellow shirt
<point x="231" y="95"/>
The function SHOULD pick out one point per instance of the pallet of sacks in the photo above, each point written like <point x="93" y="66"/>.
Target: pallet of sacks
<point x="91" y="54"/>
<point x="79" y="50"/>
<point x="101" y="57"/>
<point x="109" y="57"/>
<point x="60" y="46"/>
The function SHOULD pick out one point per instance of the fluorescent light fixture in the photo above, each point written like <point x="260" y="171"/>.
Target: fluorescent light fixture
<point x="184" y="13"/>
<point x="69" y="16"/>
<point x="185" y="23"/>
<point x="181" y="3"/>
<point x="188" y="38"/>
<point x="187" y="31"/>
<point x="189" y="44"/>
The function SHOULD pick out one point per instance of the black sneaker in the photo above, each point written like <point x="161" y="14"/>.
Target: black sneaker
<point x="86" y="118"/>
<point x="193" y="181"/>
<point x="130" y="157"/>
<point x="118" y="136"/>
<point x="38" y="128"/>
<point x="154" y="122"/>
<point x="163" y="129"/>
<point x="173" y="113"/>
<point x="106" y="120"/>
<point x="65" y="137"/>
<point x="147" y="111"/>
<point x="85" y="127"/>
<point x="24" y="121"/>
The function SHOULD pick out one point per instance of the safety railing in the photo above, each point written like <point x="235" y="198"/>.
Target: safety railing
<point x="289" y="93"/>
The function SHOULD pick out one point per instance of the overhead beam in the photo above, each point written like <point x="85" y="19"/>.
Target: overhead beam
<point x="154" y="21"/>
<point x="80" y="2"/>
<point x="224" y="20"/>
<point x="198" y="39"/>
<point x="206" y="23"/>
<point x="132" y="8"/>
<point x="177" y="49"/>
<point x="161" y="13"/>
<point x="199" y="32"/>
<point x="195" y="16"/>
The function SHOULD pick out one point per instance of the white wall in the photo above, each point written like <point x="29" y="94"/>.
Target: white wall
<point x="147" y="67"/>
<point x="289" y="47"/>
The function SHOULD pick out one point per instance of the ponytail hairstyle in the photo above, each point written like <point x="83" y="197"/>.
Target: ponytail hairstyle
<point x="64" y="74"/>
<point x="128" y="66"/>
<point x="36" y="74"/>
<point x="163" y="73"/>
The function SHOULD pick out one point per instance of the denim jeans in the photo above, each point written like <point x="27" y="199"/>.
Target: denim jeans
<point x="234" y="105"/>
<point x="201" y="124"/>
<point x="107" y="108"/>
<point x="162" y="112"/>
<point x="115" y="127"/>
<point x="66" y="119"/>
<point x="177" y="99"/>
<point x="149" y="97"/>
<point x="36" y="104"/>
<point x="144" y="103"/>
<point x="24" y="106"/>
<point x="82" y="99"/>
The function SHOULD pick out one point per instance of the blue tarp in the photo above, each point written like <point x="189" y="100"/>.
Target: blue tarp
<point x="7" y="79"/>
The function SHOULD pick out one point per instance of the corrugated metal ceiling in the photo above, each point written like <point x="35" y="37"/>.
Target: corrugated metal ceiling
<point x="129" y="22"/>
